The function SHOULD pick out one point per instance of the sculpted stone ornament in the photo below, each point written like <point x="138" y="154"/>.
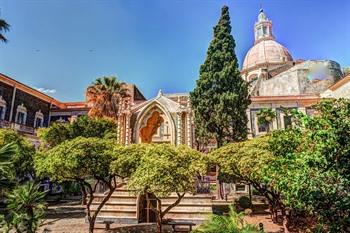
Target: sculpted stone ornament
<point x="153" y="123"/>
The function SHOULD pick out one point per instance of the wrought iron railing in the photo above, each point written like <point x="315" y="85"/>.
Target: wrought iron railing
<point x="18" y="127"/>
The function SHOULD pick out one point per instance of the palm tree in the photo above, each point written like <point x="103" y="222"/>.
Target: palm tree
<point x="233" y="223"/>
<point x="4" y="27"/>
<point x="26" y="205"/>
<point x="105" y="96"/>
<point x="265" y="117"/>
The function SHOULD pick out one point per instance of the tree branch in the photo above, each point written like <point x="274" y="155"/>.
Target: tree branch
<point x="179" y="197"/>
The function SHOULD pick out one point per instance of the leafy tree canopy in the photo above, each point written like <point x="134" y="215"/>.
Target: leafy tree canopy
<point x="79" y="158"/>
<point x="82" y="160"/>
<point x="243" y="161"/>
<point x="160" y="170"/>
<point x="22" y="159"/>
<point x="312" y="169"/>
<point x="83" y="126"/>
<point x="165" y="169"/>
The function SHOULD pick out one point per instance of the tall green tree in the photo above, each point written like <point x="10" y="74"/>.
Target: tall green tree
<point x="221" y="97"/>
<point x="4" y="27"/>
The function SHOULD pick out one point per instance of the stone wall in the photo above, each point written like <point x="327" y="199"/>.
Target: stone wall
<point x="309" y="77"/>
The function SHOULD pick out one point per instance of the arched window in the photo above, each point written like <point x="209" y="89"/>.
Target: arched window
<point x="39" y="119"/>
<point x="21" y="115"/>
<point x="2" y="108"/>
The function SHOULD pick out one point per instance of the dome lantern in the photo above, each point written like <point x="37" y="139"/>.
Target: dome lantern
<point x="263" y="27"/>
<point x="266" y="49"/>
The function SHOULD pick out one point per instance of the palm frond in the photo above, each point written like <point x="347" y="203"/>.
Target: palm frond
<point x="233" y="223"/>
<point x="105" y="96"/>
<point x="6" y="153"/>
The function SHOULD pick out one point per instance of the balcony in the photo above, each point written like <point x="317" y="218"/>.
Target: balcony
<point x="18" y="127"/>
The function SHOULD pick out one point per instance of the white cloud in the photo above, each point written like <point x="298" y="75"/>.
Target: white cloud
<point x="45" y="90"/>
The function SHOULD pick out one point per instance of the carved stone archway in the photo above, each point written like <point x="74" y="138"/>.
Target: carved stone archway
<point x="150" y="120"/>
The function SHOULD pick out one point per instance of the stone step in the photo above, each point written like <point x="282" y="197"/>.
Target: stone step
<point x="188" y="215"/>
<point x="118" y="213"/>
<point x="125" y="220"/>
<point x="116" y="206"/>
<point x="190" y="208"/>
<point x="122" y="199"/>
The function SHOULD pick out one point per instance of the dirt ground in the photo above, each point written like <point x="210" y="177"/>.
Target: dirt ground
<point x="69" y="218"/>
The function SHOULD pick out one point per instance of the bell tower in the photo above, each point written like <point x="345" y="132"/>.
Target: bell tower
<point x="263" y="28"/>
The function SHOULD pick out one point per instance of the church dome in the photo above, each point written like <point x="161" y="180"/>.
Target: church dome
<point x="266" y="51"/>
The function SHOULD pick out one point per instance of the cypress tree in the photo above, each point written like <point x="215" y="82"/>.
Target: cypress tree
<point x="221" y="97"/>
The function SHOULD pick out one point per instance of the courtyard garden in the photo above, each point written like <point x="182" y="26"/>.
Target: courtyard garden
<point x="301" y="172"/>
<point x="82" y="173"/>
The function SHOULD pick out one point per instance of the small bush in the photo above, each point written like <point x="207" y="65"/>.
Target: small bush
<point x="244" y="202"/>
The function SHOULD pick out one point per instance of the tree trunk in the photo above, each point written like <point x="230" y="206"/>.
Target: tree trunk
<point x="285" y="221"/>
<point x="159" y="216"/>
<point x="159" y="223"/>
<point x="91" y="225"/>
<point x="250" y="194"/>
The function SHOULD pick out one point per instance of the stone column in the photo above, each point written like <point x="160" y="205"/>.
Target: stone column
<point x="249" y="124"/>
<point x="179" y="131"/>
<point x="188" y="122"/>
<point x="127" y="128"/>
<point x="274" y="122"/>
<point x="118" y="128"/>
<point x="12" y="102"/>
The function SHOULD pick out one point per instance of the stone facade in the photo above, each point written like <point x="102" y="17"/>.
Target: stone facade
<point x="308" y="77"/>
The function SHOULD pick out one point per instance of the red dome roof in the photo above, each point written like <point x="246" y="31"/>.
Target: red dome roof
<point x="266" y="51"/>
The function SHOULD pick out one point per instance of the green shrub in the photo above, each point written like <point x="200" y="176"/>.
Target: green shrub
<point x="244" y="202"/>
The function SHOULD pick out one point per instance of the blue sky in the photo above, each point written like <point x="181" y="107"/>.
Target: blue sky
<point x="61" y="46"/>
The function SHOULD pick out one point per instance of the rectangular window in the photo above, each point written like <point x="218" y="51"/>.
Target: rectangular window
<point x="240" y="188"/>
<point x="263" y="127"/>
<point x="20" y="118"/>
<point x="38" y="122"/>
<point x="287" y="121"/>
